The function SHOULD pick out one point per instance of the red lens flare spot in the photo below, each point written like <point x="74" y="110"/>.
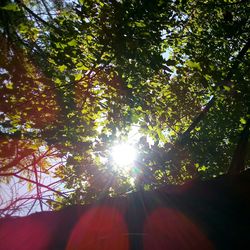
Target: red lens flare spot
<point x="169" y="229"/>
<point x="100" y="228"/>
<point x="25" y="234"/>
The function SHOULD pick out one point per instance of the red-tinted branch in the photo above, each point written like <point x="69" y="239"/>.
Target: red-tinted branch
<point x="38" y="191"/>
<point x="40" y="185"/>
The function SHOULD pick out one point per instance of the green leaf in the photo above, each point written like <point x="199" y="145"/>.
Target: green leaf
<point x="226" y="88"/>
<point x="194" y="65"/>
<point x="80" y="66"/>
<point x="140" y="24"/>
<point x="242" y="120"/>
<point x="135" y="118"/>
<point x="161" y="135"/>
<point x="202" y="168"/>
<point x="62" y="67"/>
<point x="72" y="43"/>
<point x="198" y="128"/>
<point x="58" y="45"/>
<point x="11" y="7"/>
<point x="58" y="81"/>
<point x="78" y="77"/>
<point x="23" y="28"/>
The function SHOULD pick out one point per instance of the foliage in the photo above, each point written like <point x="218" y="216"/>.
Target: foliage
<point x="77" y="77"/>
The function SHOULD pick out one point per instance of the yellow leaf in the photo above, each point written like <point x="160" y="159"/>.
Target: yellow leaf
<point x="9" y="85"/>
<point x="78" y="77"/>
<point x="62" y="67"/>
<point x="29" y="186"/>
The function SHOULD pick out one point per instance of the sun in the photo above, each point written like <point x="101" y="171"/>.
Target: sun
<point x="123" y="155"/>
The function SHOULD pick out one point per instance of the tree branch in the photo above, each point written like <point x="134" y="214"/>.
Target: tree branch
<point x="21" y="4"/>
<point x="240" y="152"/>
<point x="38" y="191"/>
<point x="40" y="185"/>
<point x="186" y="134"/>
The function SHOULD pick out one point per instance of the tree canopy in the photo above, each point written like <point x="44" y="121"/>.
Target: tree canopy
<point x="78" y="77"/>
